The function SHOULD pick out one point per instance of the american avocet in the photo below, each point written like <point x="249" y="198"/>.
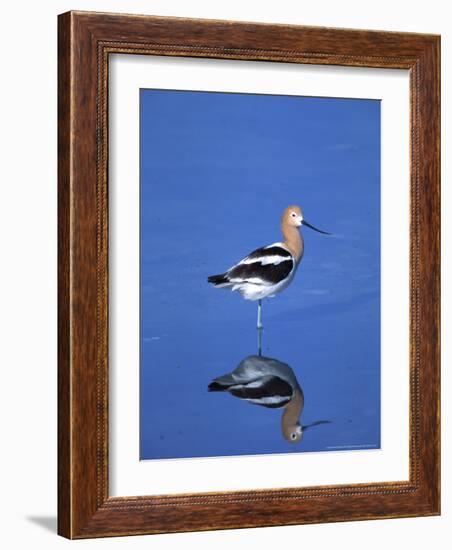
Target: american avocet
<point x="270" y="383"/>
<point x="268" y="270"/>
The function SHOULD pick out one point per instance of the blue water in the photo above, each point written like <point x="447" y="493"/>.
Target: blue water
<point x="216" y="172"/>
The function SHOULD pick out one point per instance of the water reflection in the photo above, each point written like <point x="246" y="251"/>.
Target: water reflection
<point x="269" y="383"/>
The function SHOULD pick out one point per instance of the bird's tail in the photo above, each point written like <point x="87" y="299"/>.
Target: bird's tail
<point x="218" y="280"/>
<point x="215" y="386"/>
<point x="221" y="383"/>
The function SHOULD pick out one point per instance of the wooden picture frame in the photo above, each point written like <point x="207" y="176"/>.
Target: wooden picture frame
<point x="85" y="42"/>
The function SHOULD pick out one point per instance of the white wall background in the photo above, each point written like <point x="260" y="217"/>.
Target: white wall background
<point x="28" y="269"/>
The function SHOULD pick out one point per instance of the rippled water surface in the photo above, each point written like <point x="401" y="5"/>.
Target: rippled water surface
<point x="216" y="172"/>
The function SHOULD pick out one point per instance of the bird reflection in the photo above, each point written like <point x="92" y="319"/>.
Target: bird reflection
<point x="270" y="383"/>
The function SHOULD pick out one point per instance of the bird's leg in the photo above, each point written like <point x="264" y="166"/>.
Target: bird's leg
<point x="259" y="341"/>
<point x="259" y="327"/>
<point x="259" y="314"/>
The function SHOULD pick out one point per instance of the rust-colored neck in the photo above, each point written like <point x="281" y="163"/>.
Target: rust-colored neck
<point x="293" y="239"/>
<point x="292" y="412"/>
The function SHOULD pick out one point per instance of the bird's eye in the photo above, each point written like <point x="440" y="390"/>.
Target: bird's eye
<point x="293" y="215"/>
<point x="293" y="436"/>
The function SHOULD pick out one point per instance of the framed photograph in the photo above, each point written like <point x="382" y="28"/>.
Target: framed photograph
<point x="248" y="275"/>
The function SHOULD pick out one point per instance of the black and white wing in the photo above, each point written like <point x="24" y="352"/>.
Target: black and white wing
<point x="267" y="391"/>
<point x="268" y="265"/>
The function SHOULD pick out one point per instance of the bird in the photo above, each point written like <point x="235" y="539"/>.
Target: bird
<point x="270" y="383"/>
<point x="268" y="270"/>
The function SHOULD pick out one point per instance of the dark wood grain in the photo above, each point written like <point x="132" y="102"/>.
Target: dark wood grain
<point x="85" y="42"/>
<point x="64" y="295"/>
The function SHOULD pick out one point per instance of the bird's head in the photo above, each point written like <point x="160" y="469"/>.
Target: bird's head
<point x="293" y="217"/>
<point x="293" y="434"/>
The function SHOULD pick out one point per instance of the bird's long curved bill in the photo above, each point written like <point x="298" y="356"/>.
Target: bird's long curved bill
<point x="304" y="222"/>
